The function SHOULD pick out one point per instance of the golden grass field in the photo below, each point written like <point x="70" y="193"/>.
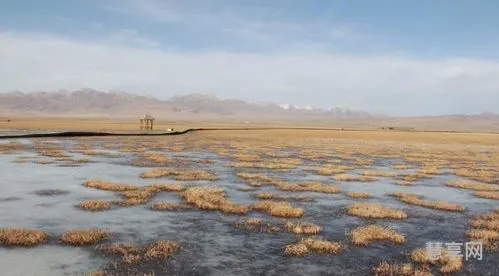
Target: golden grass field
<point x="285" y="174"/>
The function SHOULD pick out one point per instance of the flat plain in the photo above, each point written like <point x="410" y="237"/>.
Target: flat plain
<point x="246" y="202"/>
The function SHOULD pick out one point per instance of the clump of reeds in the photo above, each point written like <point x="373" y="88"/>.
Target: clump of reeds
<point x="488" y="195"/>
<point x="366" y="235"/>
<point x="359" y="195"/>
<point x="156" y="158"/>
<point x="256" y="225"/>
<point x="296" y="250"/>
<point x="162" y="250"/>
<point x="247" y="157"/>
<point x="95" y="205"/>
<point x="300" y="227"/>
<point x="463" y="184"/>
<point x="208" y="198"/>
<point x="52" y="153"/>
<point x="307" y="245"/>
<point x="130" y="253"/>
<point x="405" y="183"/>
<point x="256" y="176"/>
<point x="99" y="153"/>
<point x="129" y="202"/>
<point x="167" y="187"/>
<point x="167" y="206"/>
<point x="429" y="171"/>
<point x="331" y="170"/>
<point x="144" y="194"/>
<point x="483" y="234"/>
<point x="85" y="237"/>
<point x="386" y="269"/>
<point x="354" y="178"/>
<point x="22" y="237"/>
<point x="317" y="187"/>
<point x="486" y="230"/>
<point x="449" y="265"/>
<point x="418" y="201"/>
<point x="180" y="175"/>
<point x="279" y="209"/>
<point x="267" y="164"/>
<point x="270" y="195"/>
<point x="488" y="221"/>
<point x="370" y="210"/>
<point x="379" y="173"/>
<point x="401" y="166"/>
<point x="109" y="186"/>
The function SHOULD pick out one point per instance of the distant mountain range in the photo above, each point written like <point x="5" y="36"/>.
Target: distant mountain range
<point x="205" y="107"/>
<point x="91" y="102"/>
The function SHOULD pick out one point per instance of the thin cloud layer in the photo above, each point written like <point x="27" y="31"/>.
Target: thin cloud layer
<point x="387" y="84"/>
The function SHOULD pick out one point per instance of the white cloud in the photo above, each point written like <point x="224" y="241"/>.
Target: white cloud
<point x="399" y="85"/>
<point x="131" y="37"/>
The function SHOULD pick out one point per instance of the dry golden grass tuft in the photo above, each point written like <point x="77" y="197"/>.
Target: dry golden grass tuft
<point x="486" y="229"/>
<point x="366" y="235"/>
<point x="483" y="234"/>
<point x="247" y="157"/>
<point x="305" y="246"/>
<point x="130" y="253"/>
<point x="386" y="269"/>
<point x="359" y="195"/>
<point x="208" y="198"/>
<point x="489" y="221"/>
<point x="144" y="193"/>
<point x="463" y="184"/>
<point x="167" y="206"/>
<point x="95" y="205"/>
<point x="332" y="170"/>
<point x="256" y="176"/>
<point x="429" y="171"/>
<point x="162" y="250"/>
<point x="270" y="195"/>
<point x="99" y="153"/>
<point x="488" y="195"/>
<point x="157" y="158"/>
<point x="108" y="186"/>
<point x="449" y="265"/>
<point x="279" y="209"/>
<point x="401" y="167"/>
<point x="370" y="210"/>
<point x="269" y="165"/>
<point x="85" y="237"/>
<point x="317" y="187"/>
<point x="299" y="227"/>
<point x="354" y="178"/>
<point x="122" y="249"/>
<point x="22" y="237"/>
<point x="405" y="183"/>
<point x="180" y="175"/>
<point x="414" y="199"/>
<point x="129" y="202"/>
<point x="379" y="173"/>
<point x="52" y="153"/>
<point x="296" y="250"/>
<point x="168" y="187"/>
<point x="256" y="225"/>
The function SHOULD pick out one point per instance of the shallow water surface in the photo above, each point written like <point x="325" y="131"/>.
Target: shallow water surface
<point x="211" y="244"/>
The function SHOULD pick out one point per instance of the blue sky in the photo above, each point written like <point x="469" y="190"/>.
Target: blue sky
<point x="396" y="57"/>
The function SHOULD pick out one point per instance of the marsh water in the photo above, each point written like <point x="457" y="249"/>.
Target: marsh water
<point x="211" y="245"/>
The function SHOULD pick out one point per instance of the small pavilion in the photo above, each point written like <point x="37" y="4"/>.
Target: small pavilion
<point x="146" y="123"/>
